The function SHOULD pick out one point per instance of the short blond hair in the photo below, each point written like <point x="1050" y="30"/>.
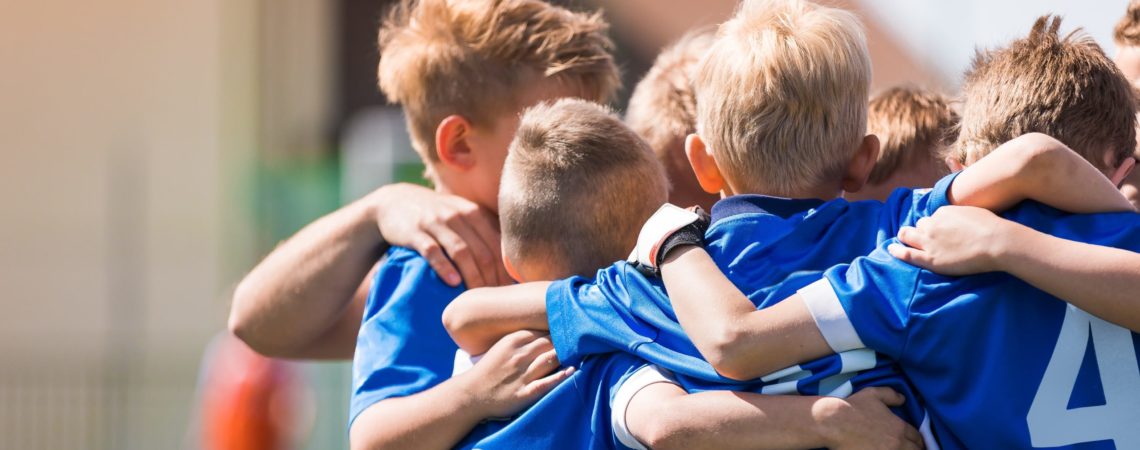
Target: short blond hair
<point x="663" y="106"/>
<point x="578" y="184"/>
<point x="1065" y="87"/>
<point x="782" y="95"/>
<point x="444" y="57"/>
<point x="1127" y="32"/>
<point x="913" y="126"/>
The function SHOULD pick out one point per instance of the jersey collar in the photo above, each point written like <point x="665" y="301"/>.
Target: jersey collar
<point x="761" y="204"/>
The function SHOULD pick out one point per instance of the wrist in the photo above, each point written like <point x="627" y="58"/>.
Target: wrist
<point x="833" y="419"/>
<point x="470" y="396"/>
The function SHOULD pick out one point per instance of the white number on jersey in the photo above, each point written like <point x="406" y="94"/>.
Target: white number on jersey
<point x="1052" y="423"/>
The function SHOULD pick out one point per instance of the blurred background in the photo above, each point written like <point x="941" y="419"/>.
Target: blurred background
<point x="154" y="150"/>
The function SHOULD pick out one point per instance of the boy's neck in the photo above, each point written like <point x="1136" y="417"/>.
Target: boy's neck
<point x="816" y="193"/>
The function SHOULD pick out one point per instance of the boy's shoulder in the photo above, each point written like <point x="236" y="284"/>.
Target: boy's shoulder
<point x="404" y="274"/>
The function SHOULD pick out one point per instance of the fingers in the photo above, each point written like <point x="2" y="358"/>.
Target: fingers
<point x="428" y="247"/>
<point x="541" y="366"/>
<point x="912" y="237"/>
<point x="542" y="386"/>
<point x="913" y="437"/>
<point x="486" y="227"/>
<point x="888" y="396"/>
<point x="454" y="237"/>
<point x="911" y="256"/>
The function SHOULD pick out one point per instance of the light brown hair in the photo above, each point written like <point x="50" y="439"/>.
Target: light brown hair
<point x="577" y="186"/>
<point x="1127" y="30"/>
<point x="913" y="126"/>
<point x="1064" y="87"/>
<point x="444" y="57"/>
<point x="782" y="95"/>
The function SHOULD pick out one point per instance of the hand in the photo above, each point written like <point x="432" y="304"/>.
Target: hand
<point x="956" y="241"/>
<point x="1131" y="186"/>
<point x="515" y="373"/>
<point x="440" y="226"/>
<point x="864" y="421"/>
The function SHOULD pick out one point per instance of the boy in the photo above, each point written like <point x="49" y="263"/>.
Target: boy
<point x="765" y="126"/>
<point x="663" y="111"/>
<point x="1049" y="374"/>
<point x="913" y="126"/>
<point x="461" y="76"/>
<point x="578" y="184"/>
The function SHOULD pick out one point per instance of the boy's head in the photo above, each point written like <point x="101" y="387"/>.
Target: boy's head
<point x="782" y="103"/>
<point x="1127" y="37"/>
<point x="1062" y="86"/>
<point x="463" y="70"/>
<point x="914" y="127"/>
<point x="663" y="111"/>
<point x="577" y="186"/>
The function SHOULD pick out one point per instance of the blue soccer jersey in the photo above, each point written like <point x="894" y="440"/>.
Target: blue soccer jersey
<point x="403" y="349"/>
<point x="770" y="248"/>
<point x="999" y="363"/>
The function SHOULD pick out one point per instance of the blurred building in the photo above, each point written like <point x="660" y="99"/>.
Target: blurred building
<point x="154" y="150"/>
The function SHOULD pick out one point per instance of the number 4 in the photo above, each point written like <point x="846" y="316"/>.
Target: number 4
<point x="1052" y="423"/>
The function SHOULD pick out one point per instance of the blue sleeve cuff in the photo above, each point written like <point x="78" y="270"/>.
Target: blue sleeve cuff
<point x="561" y="319"/>
<point x="939" y="195"/>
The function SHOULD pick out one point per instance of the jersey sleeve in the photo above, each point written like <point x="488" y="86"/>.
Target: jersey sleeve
<point x="402" y="348"/>
<point x="865" y="304"/>
<point x="905" y="206"/>
<point x="585" y="319"/>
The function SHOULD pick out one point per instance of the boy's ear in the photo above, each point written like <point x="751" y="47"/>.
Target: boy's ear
<point x="451" y="142"/>
<point x="953" y="164"/>
<point x="1123" y="171"/>
<point x="704" y="165"/>
<point x="861" y="164"/>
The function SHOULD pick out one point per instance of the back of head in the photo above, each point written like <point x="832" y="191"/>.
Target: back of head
<point x="472" y="58"/>
<point x="1063" y="86"/>
<point x="782" y="95"/>
<point x="663" y="111"/>
<point x="1127" y="32"/>
<point x="913" y="126"/>
<point x="663" y="106"/>
<point x="577" y="186"/>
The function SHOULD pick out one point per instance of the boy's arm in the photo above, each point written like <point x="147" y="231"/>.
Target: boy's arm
<point x="478" y="318"/>
<point x="664" y="416"/>
<point x="739" y="341"/>
<point x="304" y="300"/>
<point x="958" y="241"/>
<point x="1036" y="167"/>
<point x="513" y="374"/>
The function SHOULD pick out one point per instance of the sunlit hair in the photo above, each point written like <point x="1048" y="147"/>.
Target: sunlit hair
<point x="782" y="95"/>
<point x="473" y="57"/>
<point x="1127" y="30"/>
<point x="1064" y="87"/>
<point x="577" y="184"/>
<point x="663" y="107"/>
<point x="913" y="126"/>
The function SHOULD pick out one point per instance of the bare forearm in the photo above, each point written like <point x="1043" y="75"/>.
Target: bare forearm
<point x="480" y="317"/>
<point x="739" y="341"/>
<point x="738" y="420"/>
<point x="305" y="286"/>
<point x="1101" y="280"/>
<point x="434" y="419"/>
<point x="1036" y="167"/>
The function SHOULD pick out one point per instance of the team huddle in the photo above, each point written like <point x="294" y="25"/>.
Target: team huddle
<point x="896" y="271"/>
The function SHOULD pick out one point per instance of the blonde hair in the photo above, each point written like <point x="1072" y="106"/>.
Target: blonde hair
<point x="1061" y="86"/>
<point x="913" y="125"/>
<point x="782" y="95"/>
<point x="578" y="184"/>
<point x="444" y="57"/>
<point x="663" y="106"/>
<point x="1127" y="32"/>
